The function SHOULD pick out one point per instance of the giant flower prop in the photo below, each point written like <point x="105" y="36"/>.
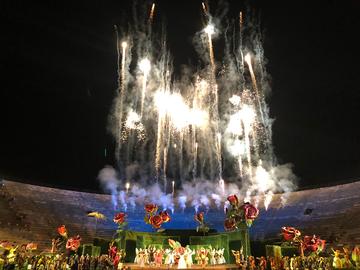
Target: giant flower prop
<point x="290" y="233"/>
<point x="202" y="227"/>
<point x="6" y="244"/>
<point x="62" y="231"/>
<point x="237" y="213"/>
<point x="250" y="213"/>
<point x="119" y="219"/>
<point x="165" y="216"/>
<point x="312" y="244"/>
<point x="151" y="208"/>
<point x="31" y="246"/>
<point x="230" y="224"/>
<point x="73" y="243"/>
<point x="155" y="218"/>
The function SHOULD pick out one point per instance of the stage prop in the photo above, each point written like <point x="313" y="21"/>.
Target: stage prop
<point x="234" y="240"/>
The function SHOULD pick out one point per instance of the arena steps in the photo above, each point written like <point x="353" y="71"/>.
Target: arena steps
<point x="33" y="213"/>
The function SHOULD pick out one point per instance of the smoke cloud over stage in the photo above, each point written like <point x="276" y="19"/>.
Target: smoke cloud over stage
<point x="191" y="139"/>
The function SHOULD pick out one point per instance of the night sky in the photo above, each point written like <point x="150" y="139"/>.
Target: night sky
<point x="58" y="80"/>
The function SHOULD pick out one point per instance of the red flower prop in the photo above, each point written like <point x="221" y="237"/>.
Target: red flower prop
<point x="199" y="217"/>
<point x="165" y="216"/>
<point x="6" y="244"/>
<point x="156" y="221"/>
<point x="313" y="243"/>
<point x="236" y="214"/>
<point x="155" y="218"/>
<point x="251" y="212"/>
<point x="230" y="224"/>
<point x="119" y="218"/>
<point x="290" y="233"/>
<point x="31" y="246"/>
<point x="73" y="243"/>
<point x="112" y="252"/>
<point x="308" y="243"/>
<point x="233" y="200"/>
<point x="62" y="231"/>
<point x="150" y="208"/>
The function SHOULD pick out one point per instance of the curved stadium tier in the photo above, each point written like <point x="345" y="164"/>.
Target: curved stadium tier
<point x="32" y="213"/>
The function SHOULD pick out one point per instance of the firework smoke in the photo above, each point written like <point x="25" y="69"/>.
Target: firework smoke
<point x="206" y="144"/>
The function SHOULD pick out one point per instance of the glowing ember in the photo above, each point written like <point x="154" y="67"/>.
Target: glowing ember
<point x="235" y="100"/>
<point x="133" y="120"/>
<point x="180" y="114"/>
<point x="210" y="29"/>
<point x="237" y="148"/>
<point x="145" y="66"/>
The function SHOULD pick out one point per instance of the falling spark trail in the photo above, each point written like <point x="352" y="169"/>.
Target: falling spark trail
<point x="152" y="11"/>
<point x="222" y="186"/>
<point x="203" y="7"/>
<point x="164" y="168"/>
<point x="195" y="160"/>
<point x="121" y="86"/>
<point x="123" y="61"/>
<point x="181" y="156"/>
<point x="241" y="21"/>
<point x="218" y="153"/>
<point x="209" y="30"/>
<point x="158" y="144"/>
<point x="253" y="79"/>
<point x="248" y="118"/>
<point x="240" y="165"/>
<point x="145" y="67"/>
<point x="122" y="89"/>
<point x="241" y="29"/>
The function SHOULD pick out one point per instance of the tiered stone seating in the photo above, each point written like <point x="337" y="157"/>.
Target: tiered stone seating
<point x="32" y="213"/>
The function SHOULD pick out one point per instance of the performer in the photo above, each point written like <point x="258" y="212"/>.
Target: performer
<point x="252" y="264"/>
<point x="212" y="256"/>
<point x="158" y="255"/>
<point x="202" y="256"/>
<point x="169" y="257"/>
<point x="262" y="263"/>
<point x="182" y="262"/>
<point x="337" y="263"/>
<point x="188" y="256"/>
<point x="237" y="255"/>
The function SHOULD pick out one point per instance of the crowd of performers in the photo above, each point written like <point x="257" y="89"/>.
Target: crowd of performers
<point x="23" y="258"/>
<point x="179" y="257"/>
<point x="337" y="259"/>
<point x="57" y="262"/>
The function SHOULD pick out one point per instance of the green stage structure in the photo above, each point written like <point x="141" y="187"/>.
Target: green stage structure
<point x="130" y="240"/>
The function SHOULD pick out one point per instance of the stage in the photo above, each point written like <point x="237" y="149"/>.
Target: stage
<point x="133" y="266"/>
